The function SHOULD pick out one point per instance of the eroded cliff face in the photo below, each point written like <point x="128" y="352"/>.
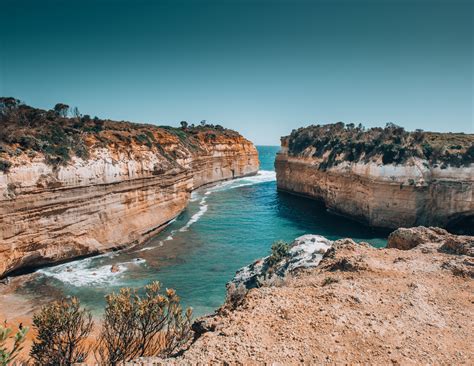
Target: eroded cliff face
<point x="123" y="193"/>
<point x="411" y="192"/>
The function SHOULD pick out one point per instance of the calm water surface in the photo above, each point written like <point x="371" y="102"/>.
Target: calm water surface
<point x="225" y="227"/>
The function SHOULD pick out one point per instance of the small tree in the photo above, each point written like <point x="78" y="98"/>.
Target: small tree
<point x="62" y="328"/>
<point x="8" y="355"/>
<point x="136" y="326"/>
<point x="184" y="125"/>
<point x="76" y="114"/>
<point x="8" y="104"/>
<point x="61" y="109"/>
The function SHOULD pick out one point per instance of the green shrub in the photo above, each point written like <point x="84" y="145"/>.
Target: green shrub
<point x="181" y="134"/>
<point x="28" y="142"/>
<point x="81" y="151"/>
<point x="280" y="250"/>
<point x="135" y="326"/>
<point x="144" y="139"/>
<point x="7" y="356"/>
<point x="427" y="150"/>
<point x="329" y="280"/>
<point x="468" y="156"/>
<point x="5" y="165"/>
<point x="62" y="328"/>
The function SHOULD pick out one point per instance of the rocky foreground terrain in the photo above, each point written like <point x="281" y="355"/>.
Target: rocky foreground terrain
<point x="383" y="177"/>
<point x="72" y="186"/>
<point x="347" y="303"/>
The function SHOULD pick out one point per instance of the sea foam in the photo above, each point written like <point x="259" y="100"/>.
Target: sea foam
<point x="202" y="210"/>
<point x="262" y="176"/>
<point x="85" y="273"/>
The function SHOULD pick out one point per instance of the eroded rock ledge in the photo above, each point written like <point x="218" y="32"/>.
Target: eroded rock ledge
<point x="134" y="180"/>
<point x="386" y="178"/>
<point x="353" y="304"/>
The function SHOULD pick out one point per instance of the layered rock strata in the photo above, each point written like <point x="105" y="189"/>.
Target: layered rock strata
<point x="120" y="195"/>
<point x="377" y="189"/>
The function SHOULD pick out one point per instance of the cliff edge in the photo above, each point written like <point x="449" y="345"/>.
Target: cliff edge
<point x="383" y="177"/>
<point x="77" y="186"/>
<point x="346" y="303"/>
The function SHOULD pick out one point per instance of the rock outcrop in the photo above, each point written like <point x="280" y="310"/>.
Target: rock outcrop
<point x="359" y="305"/>
<point x="408" y="238"/>
<point x="305" y="252"/>
<point x="133" y="181"/>
<point x="385" y="178"/>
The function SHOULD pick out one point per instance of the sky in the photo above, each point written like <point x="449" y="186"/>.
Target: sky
<point x="262" y="68"/>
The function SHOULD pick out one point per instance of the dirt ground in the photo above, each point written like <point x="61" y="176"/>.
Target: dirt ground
<point x="361" y="306"/>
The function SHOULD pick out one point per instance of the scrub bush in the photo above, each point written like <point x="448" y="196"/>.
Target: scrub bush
<point x="5" y="165"/>
<point x="62" y="328"/>
<point x="280" y="250"/>
<point x="153" y="324"/>
<point x="7" y="356"/>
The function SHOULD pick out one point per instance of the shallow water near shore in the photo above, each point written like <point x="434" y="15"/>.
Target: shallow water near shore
<point x="225" y="227"/>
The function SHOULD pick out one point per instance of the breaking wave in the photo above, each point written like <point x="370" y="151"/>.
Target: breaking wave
<point x="85" y="272"/>
<point x="262" y="176"/>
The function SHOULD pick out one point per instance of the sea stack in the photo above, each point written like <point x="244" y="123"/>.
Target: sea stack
<point x="384" y="177"/>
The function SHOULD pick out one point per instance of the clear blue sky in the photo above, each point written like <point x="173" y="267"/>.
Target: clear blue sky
<point x="260" y="67"/>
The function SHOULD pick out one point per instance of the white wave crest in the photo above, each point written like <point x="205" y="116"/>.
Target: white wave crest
<point x="84" y="273"/>
<point x="262" y="176"/>
<point x="197" y="215"/>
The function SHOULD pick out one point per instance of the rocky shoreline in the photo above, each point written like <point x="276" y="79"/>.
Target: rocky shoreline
<point x="346" y="302"/>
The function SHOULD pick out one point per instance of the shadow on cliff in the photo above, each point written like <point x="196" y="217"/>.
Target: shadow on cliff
<point x="308" y="213"/>
<point x="462" y="224"/>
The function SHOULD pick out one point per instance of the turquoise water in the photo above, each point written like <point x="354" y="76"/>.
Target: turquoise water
<point x="225" y="227"/>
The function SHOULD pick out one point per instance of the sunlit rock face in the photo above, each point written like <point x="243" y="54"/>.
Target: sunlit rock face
<point x="120" y="196"/>
<point x="305" y="252"/>
<point x="409" y="192"/>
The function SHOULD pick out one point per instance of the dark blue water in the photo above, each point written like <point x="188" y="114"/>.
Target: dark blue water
<point x="224" y="228"/>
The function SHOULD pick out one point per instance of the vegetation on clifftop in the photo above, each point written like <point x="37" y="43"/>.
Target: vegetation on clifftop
<point x="62" y="132"/>
<point x="338" y="142"/>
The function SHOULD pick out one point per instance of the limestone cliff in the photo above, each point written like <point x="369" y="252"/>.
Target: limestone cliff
<point x="385" y="178"/>
<point x="133" y="180"/>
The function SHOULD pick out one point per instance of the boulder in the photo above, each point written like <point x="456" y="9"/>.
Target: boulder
<point x="114" y="268"/>
<point x="409" y="238"/>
